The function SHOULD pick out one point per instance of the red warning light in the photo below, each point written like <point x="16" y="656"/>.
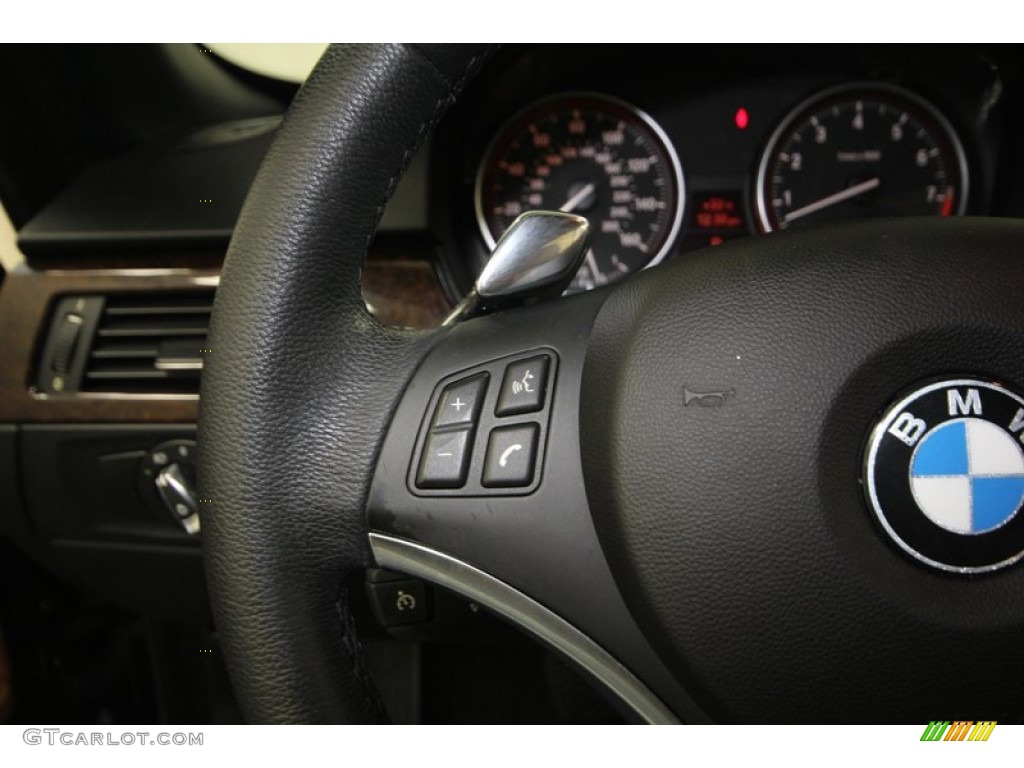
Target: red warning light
<point x="947" y="203"/>
<point x="741" y="118"/>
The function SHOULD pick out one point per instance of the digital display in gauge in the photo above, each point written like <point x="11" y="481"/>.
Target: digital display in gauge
<point x="860" y="151"/>
<point x="717" y="211"/>
<point x="596" y="157"/>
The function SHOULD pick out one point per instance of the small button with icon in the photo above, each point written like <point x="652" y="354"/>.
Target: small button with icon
<point x="523" y="388"/>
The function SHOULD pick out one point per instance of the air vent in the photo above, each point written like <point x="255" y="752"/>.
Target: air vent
<point x="145" y="343"/>
<point x="149" y="343"/>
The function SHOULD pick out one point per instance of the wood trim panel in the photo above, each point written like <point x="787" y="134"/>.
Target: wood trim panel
<point x="403" y="292"/>
<point x="25" y="301"/>
<point x="399" y="284"/>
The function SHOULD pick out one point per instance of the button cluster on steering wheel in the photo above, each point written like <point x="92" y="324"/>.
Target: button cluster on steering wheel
<point x="512" y="421"/>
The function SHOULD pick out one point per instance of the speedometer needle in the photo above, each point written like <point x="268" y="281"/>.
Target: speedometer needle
<point x="838" y="197"/>
<point x="579" y="197"/>
<point x="599" y="278"/>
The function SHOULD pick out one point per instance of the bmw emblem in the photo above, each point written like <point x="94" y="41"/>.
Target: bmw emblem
<point x="944" y="475"/>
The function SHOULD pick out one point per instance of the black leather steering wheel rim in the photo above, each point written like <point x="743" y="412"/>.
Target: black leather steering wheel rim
<point x="294" y="350"/>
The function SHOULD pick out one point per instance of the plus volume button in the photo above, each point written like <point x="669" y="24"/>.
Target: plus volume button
<point x="460" y="402"/>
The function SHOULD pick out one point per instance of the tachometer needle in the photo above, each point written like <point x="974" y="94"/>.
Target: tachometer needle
<point x="579" y="197"/>
<point x="838" y="197"/>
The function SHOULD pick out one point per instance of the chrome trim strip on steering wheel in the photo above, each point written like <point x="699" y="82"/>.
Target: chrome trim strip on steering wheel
<point x="474" y="584"/>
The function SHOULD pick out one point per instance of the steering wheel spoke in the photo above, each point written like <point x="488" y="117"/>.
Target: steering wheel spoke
<point x="479" y="488"/>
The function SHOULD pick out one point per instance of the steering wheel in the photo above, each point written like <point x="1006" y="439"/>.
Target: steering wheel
<point x="685" y="516"/>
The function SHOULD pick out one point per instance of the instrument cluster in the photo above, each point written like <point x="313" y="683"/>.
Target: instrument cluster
<point x="662" y="166"/>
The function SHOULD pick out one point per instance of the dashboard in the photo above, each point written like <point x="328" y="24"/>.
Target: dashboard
<point x="668" y="151"/>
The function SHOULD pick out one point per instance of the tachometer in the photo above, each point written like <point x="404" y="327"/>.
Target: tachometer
<point x="859" y="151"/>
<point x="594" y="156"/>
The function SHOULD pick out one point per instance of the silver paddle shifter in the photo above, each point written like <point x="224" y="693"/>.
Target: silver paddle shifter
<point x="536" y="258"/>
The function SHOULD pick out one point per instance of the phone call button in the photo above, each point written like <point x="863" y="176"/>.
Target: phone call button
<point x="511" y="456"/>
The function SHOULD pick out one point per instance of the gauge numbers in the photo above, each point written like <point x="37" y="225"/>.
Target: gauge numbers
<point x="860" y="151"/>
<point x="596" y="157"/>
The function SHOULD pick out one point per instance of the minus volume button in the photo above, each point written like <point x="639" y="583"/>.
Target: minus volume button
<point x="445" y="459"/>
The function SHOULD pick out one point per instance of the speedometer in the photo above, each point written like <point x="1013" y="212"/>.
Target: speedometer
<point x="860" y="151"/>
<point x="594" y="156"/>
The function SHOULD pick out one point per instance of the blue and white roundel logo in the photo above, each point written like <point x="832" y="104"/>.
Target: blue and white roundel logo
<point x="967" y="476"/>
<point x="944" y="475"/>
